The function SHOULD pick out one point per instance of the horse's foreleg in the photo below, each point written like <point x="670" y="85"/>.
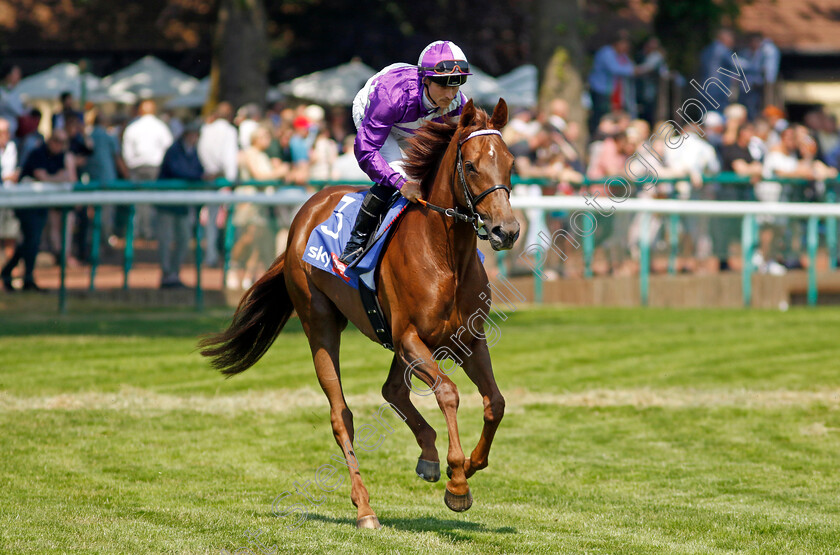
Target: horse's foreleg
<point x="396" y="392"/>
<point x="418" y="360"/>
<point x="480" y="370"/>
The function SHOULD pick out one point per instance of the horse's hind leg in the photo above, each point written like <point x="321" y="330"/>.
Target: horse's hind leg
<point x="396" y="392"/>
<point x="323" y="324"/>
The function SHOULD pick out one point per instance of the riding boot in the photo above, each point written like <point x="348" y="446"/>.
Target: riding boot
<point x="369" y="213"/>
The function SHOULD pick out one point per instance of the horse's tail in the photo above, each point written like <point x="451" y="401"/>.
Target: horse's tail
<point x="263" y="311"/>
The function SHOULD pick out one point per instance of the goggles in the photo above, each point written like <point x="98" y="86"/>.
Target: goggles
<point x="448" y="73"/>
<point x="446" y="67"/>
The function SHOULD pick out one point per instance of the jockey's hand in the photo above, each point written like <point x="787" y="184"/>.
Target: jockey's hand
<point x="411" y="191"/>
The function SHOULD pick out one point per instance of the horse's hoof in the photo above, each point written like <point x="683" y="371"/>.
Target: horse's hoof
<point x="369" y="521"/>
<point x="457" y="503"/>
<point x="449" y="472"/>
<point x="428" y="470"/>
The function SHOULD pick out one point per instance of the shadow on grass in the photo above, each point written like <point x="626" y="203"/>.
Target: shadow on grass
<point x="446" y="528"/>
<point x="147" y="323"/>
<point x="21" y="320"/>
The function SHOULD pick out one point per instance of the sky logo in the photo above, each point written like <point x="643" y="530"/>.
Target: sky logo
<point x="319" y="255"/>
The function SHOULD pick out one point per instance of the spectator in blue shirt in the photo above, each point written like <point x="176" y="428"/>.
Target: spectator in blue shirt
<point x="105" y="165"/>
<point x="610" y="85"/>
<point x="761" y="69"/>
<point x="832" y="158"/>
<point x="173" y="222"/>
<point x="715" y="56"/>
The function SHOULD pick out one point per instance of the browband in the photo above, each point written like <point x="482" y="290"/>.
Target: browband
<point x="481" y="132"/>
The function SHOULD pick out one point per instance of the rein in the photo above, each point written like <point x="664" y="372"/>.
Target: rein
<point x="471" y="217"/>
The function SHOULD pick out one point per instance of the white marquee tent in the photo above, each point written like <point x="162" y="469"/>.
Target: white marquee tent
<point x="49" y="84"/>
<point x="148" y="78"/>
<point x="336" y="86"/>
<point x="339" y="85"/>
<point x="481" y="87"/>
<point x="519" y="87"/>
<point x="195" y="98"/>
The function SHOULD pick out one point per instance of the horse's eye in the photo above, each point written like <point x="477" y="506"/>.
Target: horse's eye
<point x="470" y="167"/>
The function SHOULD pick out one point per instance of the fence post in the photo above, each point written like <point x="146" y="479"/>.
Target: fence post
<point x="644" y="258"/>
<point x="831" y="233"/>
<point x="588" y="249"/>
<point x="96" y="237"/>
<point x="199" y="293"/>
<point x="65" y="236"/>
<point x="230" y="239"/>
<point x="128" y="254"/>
<point x="747" y="224"/>
<point x="813" y="242"/>
<point x="538" y="281"/>
<point x="674" y="238"/>
<point x="500" y="263"/>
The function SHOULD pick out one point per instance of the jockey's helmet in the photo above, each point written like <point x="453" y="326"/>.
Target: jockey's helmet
<point x="444" y="63"/>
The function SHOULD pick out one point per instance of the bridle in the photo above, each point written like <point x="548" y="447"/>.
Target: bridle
<point x="470" y="217"/>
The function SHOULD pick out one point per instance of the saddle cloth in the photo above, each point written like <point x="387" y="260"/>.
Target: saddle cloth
<point x="327" y="240"/>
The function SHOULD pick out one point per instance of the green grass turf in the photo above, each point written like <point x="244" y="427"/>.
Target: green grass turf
<point x="627" y="431"/>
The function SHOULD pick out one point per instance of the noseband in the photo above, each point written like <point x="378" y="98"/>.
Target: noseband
<point x="471" y="216"/>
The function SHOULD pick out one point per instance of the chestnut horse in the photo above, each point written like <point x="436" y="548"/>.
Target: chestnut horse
<point x="430" y="281"/>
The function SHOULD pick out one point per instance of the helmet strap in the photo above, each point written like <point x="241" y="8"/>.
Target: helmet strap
<point x="426" y="82"/>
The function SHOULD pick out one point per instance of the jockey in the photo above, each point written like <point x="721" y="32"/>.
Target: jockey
<point x="388" y="110"/>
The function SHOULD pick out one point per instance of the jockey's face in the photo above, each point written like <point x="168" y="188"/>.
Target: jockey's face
<point x="440" y="95"/>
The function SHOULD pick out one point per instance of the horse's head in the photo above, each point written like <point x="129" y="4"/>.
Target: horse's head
<point x="483" y="167"/>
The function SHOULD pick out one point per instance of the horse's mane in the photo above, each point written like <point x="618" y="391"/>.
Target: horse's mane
<point x="426" y="147"/>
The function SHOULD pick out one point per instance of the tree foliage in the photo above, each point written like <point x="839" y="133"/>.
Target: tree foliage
<point x="686" y="26"/>
<point x="89" y="24"/>
<point x="313" y="34"/>
<point x="300" y="36"/>
<point x="303" y="35"/>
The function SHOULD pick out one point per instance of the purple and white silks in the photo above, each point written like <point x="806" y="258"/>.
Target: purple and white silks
<point x="387" y="111"/>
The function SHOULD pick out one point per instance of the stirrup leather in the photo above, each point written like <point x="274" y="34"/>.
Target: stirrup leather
<point x="363" y="228"/>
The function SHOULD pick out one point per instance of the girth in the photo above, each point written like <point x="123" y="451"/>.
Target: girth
<point x="377" y="318"/>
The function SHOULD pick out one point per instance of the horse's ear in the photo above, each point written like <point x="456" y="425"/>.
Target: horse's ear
<point x="500" y="115"/>
<point x="467" y="115"/>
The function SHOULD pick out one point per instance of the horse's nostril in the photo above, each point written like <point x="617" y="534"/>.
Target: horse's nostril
<point x="507" y="234"/>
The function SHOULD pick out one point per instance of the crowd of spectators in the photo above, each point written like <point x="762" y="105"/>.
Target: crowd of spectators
<point x="284" y="145"/>
<point x="740" y="134"/>
<point x="726" y="157"/>
<point x="742" y="148"/>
